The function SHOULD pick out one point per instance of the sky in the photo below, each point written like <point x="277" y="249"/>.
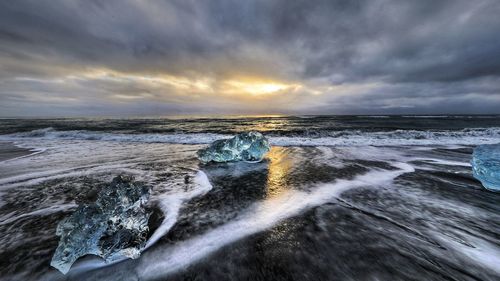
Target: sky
<point x="132" y="57"/>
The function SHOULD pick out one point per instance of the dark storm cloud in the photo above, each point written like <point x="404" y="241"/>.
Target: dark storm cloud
<point x="449" y="50"/>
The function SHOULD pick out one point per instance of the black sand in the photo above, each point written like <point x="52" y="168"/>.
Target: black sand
<point x="10" y="151"/>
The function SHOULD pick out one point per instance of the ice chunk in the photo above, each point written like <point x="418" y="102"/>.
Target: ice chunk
<point x="248" y="146"/>
<point x="115" y="226"/>
<point x="486" y="165"/>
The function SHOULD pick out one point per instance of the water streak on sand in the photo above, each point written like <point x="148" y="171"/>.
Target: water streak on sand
<point x="259" y="217"/>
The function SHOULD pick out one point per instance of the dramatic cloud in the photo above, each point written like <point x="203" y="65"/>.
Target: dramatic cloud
<point x="263" y="56"/>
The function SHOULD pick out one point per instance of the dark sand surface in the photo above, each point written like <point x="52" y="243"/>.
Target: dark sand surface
<point x="9" y="151"/>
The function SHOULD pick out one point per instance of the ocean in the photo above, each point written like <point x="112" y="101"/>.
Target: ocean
<point x="336" y="198"/>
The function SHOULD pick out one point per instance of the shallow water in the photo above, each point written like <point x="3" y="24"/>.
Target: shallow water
<point x="351" y="212"/>
<point x="10" y="151"/>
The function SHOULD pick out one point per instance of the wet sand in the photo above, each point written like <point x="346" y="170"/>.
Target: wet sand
<point x="9" y="151"/>
<point x="303" y="213"/>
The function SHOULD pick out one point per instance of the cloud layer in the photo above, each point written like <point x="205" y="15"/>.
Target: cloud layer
<point x="136" y="57"/>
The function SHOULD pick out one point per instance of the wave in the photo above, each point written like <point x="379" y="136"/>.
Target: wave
<point x="471" y="136"/>
<point x="52" y="134"/>
<point x="395" y="138"/>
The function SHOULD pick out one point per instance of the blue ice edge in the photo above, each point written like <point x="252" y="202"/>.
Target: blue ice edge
<point x="486" y="165"/>
<point x="248" y="146"/>
<point x="114" y="227"/>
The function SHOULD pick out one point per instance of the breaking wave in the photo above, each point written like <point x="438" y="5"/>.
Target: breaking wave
<point x="470" y="136"/>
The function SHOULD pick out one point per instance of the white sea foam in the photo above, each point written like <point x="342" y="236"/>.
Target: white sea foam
<point x="395" y="138"/>
<point x="40" y="212"/>
<point x="39" y="177"/>
<point x="51" y="134"/>
<point x="444" y="162"/>
<point x="473" y="136"/>
<point x="171" y="204"/>
<point x="480" y="251"/>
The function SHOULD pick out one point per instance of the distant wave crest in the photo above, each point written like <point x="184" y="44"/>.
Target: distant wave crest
<point x="471" y="136"/>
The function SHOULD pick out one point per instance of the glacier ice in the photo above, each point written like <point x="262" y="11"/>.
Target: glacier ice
<point x="247" y="146"/>
<point x="486" y="165"/>
<point x="113" y="227"/>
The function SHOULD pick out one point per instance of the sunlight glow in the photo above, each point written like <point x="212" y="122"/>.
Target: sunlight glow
<point x="279" y="168"/>
<point x="256" y="87"/>
<point x="248" y="86"/>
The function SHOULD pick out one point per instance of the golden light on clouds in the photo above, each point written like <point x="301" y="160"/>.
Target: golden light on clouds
<point x="256" y="88"/>
<point x="178" y="82"/>
<point x="258" y="93"/>
<point x="197" y="85"/>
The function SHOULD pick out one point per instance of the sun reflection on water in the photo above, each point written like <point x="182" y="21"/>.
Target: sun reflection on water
<point x="276" y="124"/>
<point x="279" y="168"/>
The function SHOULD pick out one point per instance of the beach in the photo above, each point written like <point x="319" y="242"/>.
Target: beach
<point x="335" y="198"/>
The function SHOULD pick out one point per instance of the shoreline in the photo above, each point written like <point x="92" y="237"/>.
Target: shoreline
<point x="10" y="151"/>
